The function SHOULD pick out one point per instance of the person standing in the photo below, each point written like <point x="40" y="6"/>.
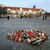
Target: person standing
<point x="8" y="17"/>
<point x="45" y="16"/>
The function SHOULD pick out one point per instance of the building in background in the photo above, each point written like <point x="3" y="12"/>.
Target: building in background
<point x="24" y="12"/>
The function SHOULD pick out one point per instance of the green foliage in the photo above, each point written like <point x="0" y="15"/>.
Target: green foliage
<point x="3" y="11"/>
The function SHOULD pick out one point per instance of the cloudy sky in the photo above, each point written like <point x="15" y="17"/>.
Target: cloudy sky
<point x="44" y="4"/>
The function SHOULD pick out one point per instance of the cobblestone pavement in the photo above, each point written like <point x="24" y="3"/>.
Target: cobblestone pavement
<point x="15" y="24"/>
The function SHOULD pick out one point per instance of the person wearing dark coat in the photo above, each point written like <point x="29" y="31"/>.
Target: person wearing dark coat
<point x="8" y="17"/>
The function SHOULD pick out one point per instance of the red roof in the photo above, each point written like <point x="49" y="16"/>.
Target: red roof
<point x="18" y="8"/>
<point x="33" y="9"/>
